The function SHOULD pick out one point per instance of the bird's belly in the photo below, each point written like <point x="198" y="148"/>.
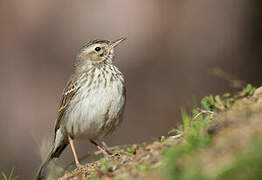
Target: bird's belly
<point x="93" y="113"/>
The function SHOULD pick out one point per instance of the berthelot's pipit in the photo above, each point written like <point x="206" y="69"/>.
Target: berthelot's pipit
<point x="92" y="103"/>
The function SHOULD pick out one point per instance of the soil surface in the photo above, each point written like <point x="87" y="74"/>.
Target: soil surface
<point x="232" y="129"/>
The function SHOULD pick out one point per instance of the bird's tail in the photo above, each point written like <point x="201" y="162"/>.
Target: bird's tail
<point x="55" y="152"/>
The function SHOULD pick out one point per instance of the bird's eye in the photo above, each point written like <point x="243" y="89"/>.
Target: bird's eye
<point x="97" y="49"/>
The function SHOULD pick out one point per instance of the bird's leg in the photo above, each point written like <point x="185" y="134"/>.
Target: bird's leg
<point x="104" y="145"/>
<point x="104" y="150"/>
<point x="74" y="152"/>
<point x="108" y="151"/>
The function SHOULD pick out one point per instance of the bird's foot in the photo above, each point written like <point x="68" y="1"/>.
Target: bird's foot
<point x="114" y="155"/>
<point x="79" y="166"/>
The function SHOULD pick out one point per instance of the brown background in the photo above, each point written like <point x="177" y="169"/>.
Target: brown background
<point x="172" y="47"/>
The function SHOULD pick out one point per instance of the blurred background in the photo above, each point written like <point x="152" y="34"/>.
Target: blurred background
<point x="176" y="53"/>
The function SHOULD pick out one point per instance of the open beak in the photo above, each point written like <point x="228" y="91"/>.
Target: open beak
<point x="115" y="43"/>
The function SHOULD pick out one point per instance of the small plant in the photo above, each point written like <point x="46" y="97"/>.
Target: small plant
<point x="11" y="175"/>
<point x="119" y="150"/>
<point x="143" y="145"/>
<point x="249" y="90"/>
<point x="217" y="103"/>
<point x="132" y="149"/>
<point x="186" y="118"/>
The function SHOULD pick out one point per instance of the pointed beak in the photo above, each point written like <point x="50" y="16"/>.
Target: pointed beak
<point x="115" y="43"/>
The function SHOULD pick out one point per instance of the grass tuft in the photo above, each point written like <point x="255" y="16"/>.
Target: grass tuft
<point x="179" y="160"/>
<point x="11" y="176"/>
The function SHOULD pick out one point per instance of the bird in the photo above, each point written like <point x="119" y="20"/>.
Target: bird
<point x="92" y="103"/>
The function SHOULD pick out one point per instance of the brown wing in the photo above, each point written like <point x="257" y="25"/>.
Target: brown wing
<point x="70" y="90"/>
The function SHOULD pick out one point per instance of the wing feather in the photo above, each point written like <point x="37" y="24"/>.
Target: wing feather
<point x="70" y="90"/>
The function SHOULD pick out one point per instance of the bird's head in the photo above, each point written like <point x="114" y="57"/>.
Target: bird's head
<point x="97" y="51"/>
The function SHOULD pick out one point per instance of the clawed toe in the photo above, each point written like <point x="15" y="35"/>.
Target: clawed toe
<point x="115" y="154"/>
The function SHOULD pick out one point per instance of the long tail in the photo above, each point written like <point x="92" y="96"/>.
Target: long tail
<point x="55" y="152"/>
